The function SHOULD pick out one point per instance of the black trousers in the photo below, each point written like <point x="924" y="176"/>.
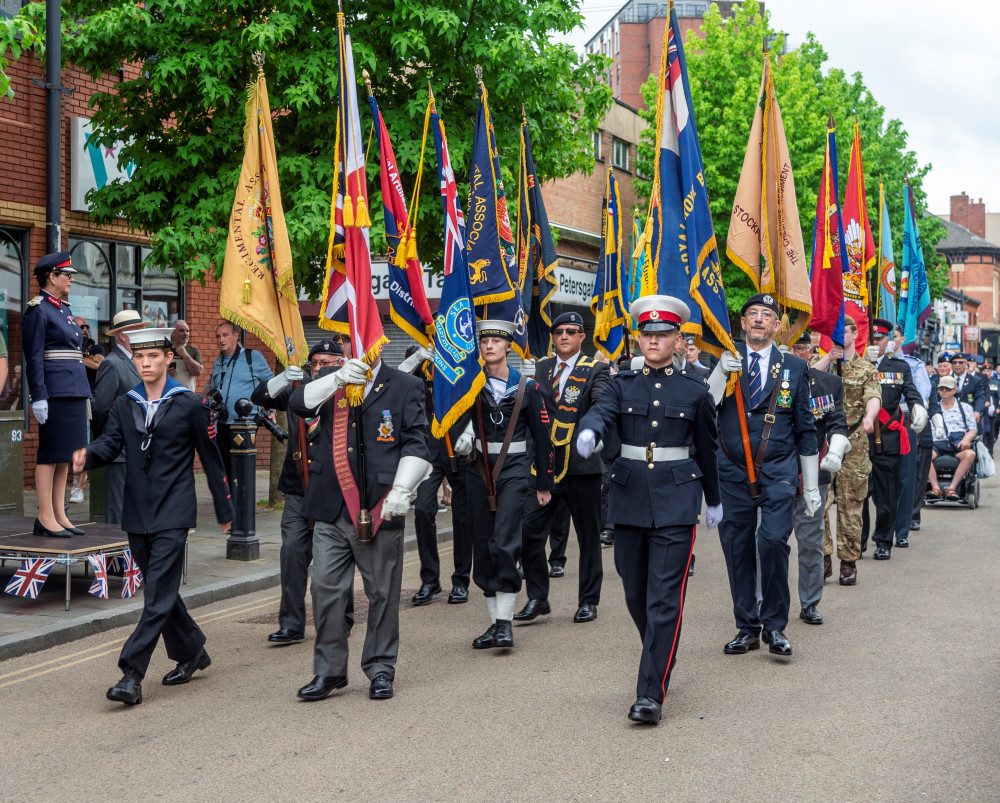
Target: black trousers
<point x="907" y="488"/>
<point x="558" y="534"/>
<point x="161" y="558"/>
<point x="742" y="541"/>
<point x="605" y="489"/>
<point x="224" y="440"/>
<point x="886" y="469"/>
<point x="653" y="564"/>
<point x="496" y="536"/>
<point x="114" y="491"/>
<point x="425" y="520"/>
<point x="582" y="497"/>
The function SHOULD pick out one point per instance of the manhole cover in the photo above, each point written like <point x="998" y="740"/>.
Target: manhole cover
<point x="360" y="609"/>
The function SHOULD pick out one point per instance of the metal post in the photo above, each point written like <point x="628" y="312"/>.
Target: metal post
<point x="242" y="543"/>
<point x="53" y="130"/>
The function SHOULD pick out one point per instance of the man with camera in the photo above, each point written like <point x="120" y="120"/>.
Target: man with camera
<point x="235" y="375"/>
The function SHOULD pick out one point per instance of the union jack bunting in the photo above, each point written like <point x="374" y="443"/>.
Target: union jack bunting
<point x="99" y="588"/>
<point x="29" y="579"/>
<point x="131" y="577"/>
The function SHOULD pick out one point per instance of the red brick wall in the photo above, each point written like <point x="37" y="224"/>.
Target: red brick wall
<point x="968" y="213"/>
<point x="975" y="278"/>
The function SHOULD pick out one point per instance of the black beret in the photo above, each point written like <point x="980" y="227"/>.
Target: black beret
<point x="805" y="339"/>
<point x="567" y="319"/>
<point x="761" y="300"/>
<point x="326" y="347"/>
<point x="944" y="356"/>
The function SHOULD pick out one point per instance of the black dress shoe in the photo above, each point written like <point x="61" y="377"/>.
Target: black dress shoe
<point x="76" y="530"/>
<point x="556" y="571"/>
<point x="503" y="635"/>
<point x="743" y="643"/>
<point x="691" y="567"/>
<point x="587" y="612"/>
<point x="902" y="542"/>
<point x="426" y="594"/>
<point x="881" y="553"/>
<point x="319" y="688"/>
<point x="185" y="669"/>
<point x="915" y="524"/>
<point x="777" y="643"/>
<point x="487" y="640"/>
<point x="380" y="688"/>
<point x="810" y="615"/>
<point x="286" y="636"/>
<point x="128" y="690"/>
<point x="645" y="710"/>
<point x="534" y="609"/>
<point x="458" y="595"/>
<point x="607" y="538"/>
<point x="41" y="530"/>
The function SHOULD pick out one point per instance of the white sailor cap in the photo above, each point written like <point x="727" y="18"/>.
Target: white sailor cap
<point x="150" y="338"/>
<point x="659" y="313"/>
<point x="495" y="328"/>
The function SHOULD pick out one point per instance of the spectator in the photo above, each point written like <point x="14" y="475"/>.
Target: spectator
<point x="693" y="356"/>
<point x="11" y="398"/>
<point x="186" y="357"/>
<point x="958" y="423"/>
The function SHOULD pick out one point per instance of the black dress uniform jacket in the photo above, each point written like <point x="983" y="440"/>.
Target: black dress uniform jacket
<point x="48" y="325"/>
<point x="289" y="481"/>
<point x="159" y="488"/>
<point x="897" y="384"/>
<point x="394" y="403"/>
<point x="659" y="407"/>
<point x="826" y="401"/>
<point x="972" y="392"/>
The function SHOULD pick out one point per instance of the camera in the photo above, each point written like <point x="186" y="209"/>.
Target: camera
<point x="217" y="405"/>
<point x="261" y="420"/>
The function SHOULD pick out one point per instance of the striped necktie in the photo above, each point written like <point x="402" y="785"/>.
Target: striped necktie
<point x="756" y="380"/>
<point x="557" y="380"/>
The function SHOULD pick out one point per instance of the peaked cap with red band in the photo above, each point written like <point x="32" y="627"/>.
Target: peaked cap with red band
<point x="659" y="313"/>
<point x="882" y="327"/>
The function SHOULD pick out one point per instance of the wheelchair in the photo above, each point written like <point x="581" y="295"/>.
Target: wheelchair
<point x="968" y="489"/>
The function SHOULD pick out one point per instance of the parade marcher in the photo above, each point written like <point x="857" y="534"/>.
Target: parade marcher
<point x="782" y="438"/>
<point x="393" y="426"/>
<point x="425" y="508"/>
<point x="992" y="385"/>
<point x="159" y="424"/>
<point x="826" y="401"/>
<point x="296" y="529"/>
<point x="969" y="387"/>
<point x="570" y="384"/>
<point x="665" y="418"/>
<point x="890" y="442"/>
<point x="498" y="476"/>
<point x="57" y="382"/>
<point x="558" y="538"/>
<point x="956" y="425"/>
<point x="116" y="376"/>
<point x="692" y="356"/>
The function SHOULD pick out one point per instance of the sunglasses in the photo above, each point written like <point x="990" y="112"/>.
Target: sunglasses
<point x="567" y="330"/>
<point x="59" y="272"/>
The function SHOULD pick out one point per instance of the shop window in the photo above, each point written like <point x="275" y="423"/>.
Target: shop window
<point x="160" y="292"/>
<point x="90" y="295"/>
<point x="12" y="260"/>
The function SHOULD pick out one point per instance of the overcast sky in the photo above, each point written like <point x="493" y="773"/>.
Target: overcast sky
<point x="933" y="65"/>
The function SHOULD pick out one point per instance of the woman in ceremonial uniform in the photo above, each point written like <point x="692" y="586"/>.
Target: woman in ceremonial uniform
<point x="57" y="381"/>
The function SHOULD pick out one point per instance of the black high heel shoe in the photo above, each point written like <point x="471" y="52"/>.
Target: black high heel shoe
<point x="41" y="530"/>
<point x="76" y="531"/>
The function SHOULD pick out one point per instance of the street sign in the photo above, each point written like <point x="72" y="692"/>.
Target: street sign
<point x="952" y="346"/>
<point x="957" y="317"/>
<point x="972" y="333"/>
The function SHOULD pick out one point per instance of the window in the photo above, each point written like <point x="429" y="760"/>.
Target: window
<point x="598" y="154"/>
<point x="619" y="153"/>
<point x="12" y="264"/>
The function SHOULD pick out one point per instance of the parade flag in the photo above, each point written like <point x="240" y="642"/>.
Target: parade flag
<point x="257" y="290"/>
<point x="458" y="374"/>
<point x="914" y="306"/>
<point x="609" y="308"/>
<point x="858" y="243"/>
<point x="827" y="271"/>
<point x="765" y="238"/>
<point x="29" y="579"/>
<point x="131" y="575"/>
<point x="886" y="303"/>
<point x="348" y="304"/>
<point x="685" y="258"/>
<point x="408" y="305"/>
<point x="536" y="253"/>
<point x="99" y="588"/>
<point x="489" y="243"/>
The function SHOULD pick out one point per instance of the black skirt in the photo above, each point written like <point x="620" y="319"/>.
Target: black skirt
<point x="64" y="431"/>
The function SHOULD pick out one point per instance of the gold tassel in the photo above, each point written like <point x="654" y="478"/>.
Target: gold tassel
<point x="339" y="252"/>
<point x="348" y="213"/>
<point x="785" y="325"/>
<point x="246" y="291"/>
<point x="355" y="394"/>
<point x="362" y="220"/>
<point x="411" y="245"/>
<point x="399" y="260"/>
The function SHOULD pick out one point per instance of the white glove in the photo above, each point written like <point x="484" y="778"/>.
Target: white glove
<point x="410" y="472"/>
<point x="713" y="515"/>
<point x="833" y="461"/>
<point x="528" y="368"/>
<point x="717" y="383"/>
<point x="890" y="349"/>
<point x="809" y="465"/>
<point x="586" y="442"/>
<point x="278" y="383"/>
<point x="354" y="372"/>
<point x="411" y="363"/>
<point x="40" y="409"/>
<point x="918" y="418"/>
<point x="463" y="445"/>
<point x="938" y="421"/>
<point x="871" y="354"/>
<point x="730" y="362"/>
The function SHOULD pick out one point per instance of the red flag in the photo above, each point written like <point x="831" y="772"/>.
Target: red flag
<point x="827" y="276"/>
<point x="859" y="244"/>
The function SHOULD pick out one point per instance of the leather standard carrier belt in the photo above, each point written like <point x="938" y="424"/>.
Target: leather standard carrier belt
<point x="655" y="454"/>
<point x="63" y="354"/>
<point x="516" y="447"/>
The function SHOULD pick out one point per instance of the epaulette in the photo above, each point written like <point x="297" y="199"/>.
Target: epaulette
<point x="628" y="372"/>
<point x="586" y="362"/>
<point x="35" y="301"/>
<point x="695" y="376"/>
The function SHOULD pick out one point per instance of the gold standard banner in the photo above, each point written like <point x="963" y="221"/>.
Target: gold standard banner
<point x="257" y="287"/>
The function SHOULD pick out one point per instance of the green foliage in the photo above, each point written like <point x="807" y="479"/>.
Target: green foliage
<point x="183" y="114"/>
<point x="724" y="69"/>
<point x="16" y="36"/>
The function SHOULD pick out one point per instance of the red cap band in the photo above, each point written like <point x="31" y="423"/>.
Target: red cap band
<point x="660" y="315"/>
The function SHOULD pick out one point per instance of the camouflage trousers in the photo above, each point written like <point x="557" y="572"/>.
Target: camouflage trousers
<point x="852" y="496"/>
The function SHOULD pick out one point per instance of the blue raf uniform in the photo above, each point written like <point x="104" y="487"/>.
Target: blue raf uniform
<point x="665" y="419"/>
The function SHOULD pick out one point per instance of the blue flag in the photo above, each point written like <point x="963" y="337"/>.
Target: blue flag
<point x="684" y="253"/>
<point x="914" y="307"/>
<point x="458" y="374"/>
<point x="608" y="305"/>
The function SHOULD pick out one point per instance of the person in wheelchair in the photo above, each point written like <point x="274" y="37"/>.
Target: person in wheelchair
<point x="954" y="431"/>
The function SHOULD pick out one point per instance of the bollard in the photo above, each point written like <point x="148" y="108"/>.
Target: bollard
<point x="242" y="543"/>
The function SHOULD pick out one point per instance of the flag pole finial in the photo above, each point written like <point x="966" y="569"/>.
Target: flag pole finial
<point x="479" y="72"/>
<point x="258" y="59"/>
<point x="829" y="121"/>
<point x="368" y="82"/>
<point x="524" y="116"/>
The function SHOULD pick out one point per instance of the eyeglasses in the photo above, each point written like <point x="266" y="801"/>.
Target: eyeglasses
<point x="324" y="363"/>
<point x="763" y="314"/>
<point x="567" y="330"/>
<point x="59" y="272"/>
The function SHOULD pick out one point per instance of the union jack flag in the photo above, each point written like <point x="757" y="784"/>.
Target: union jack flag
<point x="131" y="577"/>
<point x="99" y="588"/>
<point x="29" y="579"/>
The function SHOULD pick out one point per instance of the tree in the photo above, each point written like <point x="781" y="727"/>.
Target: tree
<point x="16" y="35"/>
<point x="181" y="113"/>
<point x="724" y="69"/>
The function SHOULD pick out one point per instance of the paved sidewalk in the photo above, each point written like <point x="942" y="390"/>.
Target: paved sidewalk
<point x="28" y="625"/>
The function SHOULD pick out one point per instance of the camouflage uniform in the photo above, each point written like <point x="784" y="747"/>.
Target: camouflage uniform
<point x="860" y="384"/>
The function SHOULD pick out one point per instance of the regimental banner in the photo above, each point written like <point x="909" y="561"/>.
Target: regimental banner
<point x="827" y="272"/>
<point x="859" y="245"/>
<point x="610" y="312"/>
<point x="886" y="304"/>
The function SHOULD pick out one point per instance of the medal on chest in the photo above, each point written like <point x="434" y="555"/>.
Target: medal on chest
<point x="890" y="378"/>
<point x="820" y="405"/>
<point x="785" y="391"/>
<point x="385" y="428"/>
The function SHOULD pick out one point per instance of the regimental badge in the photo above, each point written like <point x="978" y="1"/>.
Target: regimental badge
<point x="385" y="429"/>
<point x="784" y="393"/>
<point x="768" y="300"/>
<point x="342" y="403"/>
<point x="774" y="370"/>
<point x="571" y="394"/>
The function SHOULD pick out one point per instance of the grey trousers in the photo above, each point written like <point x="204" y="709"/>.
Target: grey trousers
<point x="114" y="491"/>
<point x="295" y="557"/>
<point x="336" y="551"/>
<point x="809" y="535"/>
